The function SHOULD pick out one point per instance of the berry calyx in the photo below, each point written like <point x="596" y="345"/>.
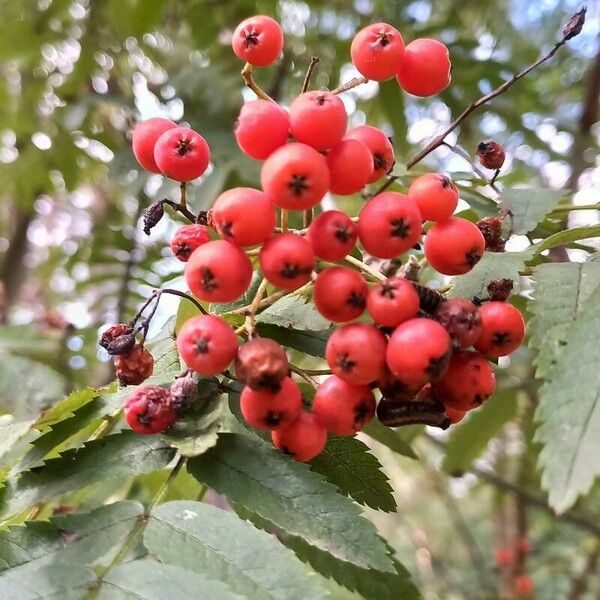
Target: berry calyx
<point x="503" y="329"/>
<point x="134" y="367"/>
<point x="377" y="51"/>
<point x="332" y="235"/>
<point x="143" y="140"/>
<point x="258" y="40"/>
<point x="500" y="289"/>
<point x="261" y="364"/>
<point x="256" y="118"/>
<point x="380" y="146"/>
<point x="392" y="302"/>
<point x="435" y="195"/>
<point x="340" y="294"/>
<point x="350" y="165"/>
<point x="343" y="408"/>
<point x="425" y="69"/>
<point x="491" y="229"/>
<point x="181" y="154"/>
<point x="461" y="319"/>
<point x="186" y="239"/>
<point x="149" y="410"/>
<point x="218" y="271"/>
<point x="287" y="261"/>
<point x="304" y="439"/>
<point x="207" y="344"/>
<point x="491" y="154"/>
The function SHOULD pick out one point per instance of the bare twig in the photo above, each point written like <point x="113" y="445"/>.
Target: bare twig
<point x="355" y="82"/>
<point x="184" y="210"/>
<point x="249" y="81"/>
<point x="364" y="267"/>
<point x="314" y="60"/>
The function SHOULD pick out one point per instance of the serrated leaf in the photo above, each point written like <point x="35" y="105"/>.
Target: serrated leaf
<point x="67" y="407"/>
<point x="219" y="545"/>
<point x="10" y="434"/>
<point x="292" y="497"/>
<point x="294" y="312"/>
<point x="309" y="342"/>
<point x="529" y="206"/>
<point x="469" y="438"/>
<point x="164" y="350"/>
<point x="390" y="438"/>
<point x="347" y="463"/>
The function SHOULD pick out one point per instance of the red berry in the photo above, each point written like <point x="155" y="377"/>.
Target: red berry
<point x="350" y="165"/>
<point x="149" y="410"/>
<point x="389" y="225"/>
<point x="503" y="329"/>
<point x="304" y="439"/>
<point x="295" y="176"/>
<point x="356" y="353"/>
<point x="256" y="118"/>
<point x="182" y="154"/>
<point x="455" y="415"/>
<point x="135" y="367"/>
<point x="524" y="585"/>
<point x="467" y="383"/>
<point x="342" y="407"/>
<point x="318" y="119"/>
<point x="340" y="294"/>
<point x="261" y="364"/>
<point x="454" y="246"/>
<point x="332" y="235"/>
<point x="461" y="319"/>
<point x="435" y="195"/>
<point x="380" y="146"/>
<point x="503" y="557"/>
<point x="287" y="260"/>
<point x="187" y="238"/>
<point x="425" y="69"/>
<point x="392" y="302"/>
<point x="272" y="410"/>
<point x="491" y="154"/>
<point x="143" y="140"/>
<point x="418" y="352"/>
<point x="218" y="272"/>
<point x="207" y="344"/>
<point x="244" y="216"/>
<point x="377" y="51"/>
<point x="258" y="40"/>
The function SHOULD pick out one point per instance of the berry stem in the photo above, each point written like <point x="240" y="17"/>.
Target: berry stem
<point x="364" y="267"/>
<point x="463" y="154"/>
<point x="302" y="373"/>
<point x="314" y="60"/>
<point x="390" y="179"/>
<point x="284" y="220"/>
<point x="308" y="217"/>
<point x="177" y="207"/>
<point x="354" y="82"/>
<point x="183" y="196"/>
<point x="187" y="297"/>
<point x="249" y="81"/>
<point x="251" y="315"/>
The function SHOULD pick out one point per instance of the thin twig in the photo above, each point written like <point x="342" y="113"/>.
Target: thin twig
<point x="364" y="267"/>
<point x="304" y="376"/>
<point x="251" y="316"/>
<point x="311" y="65"/>
<point x="384" y="186"/>
<point x="187" y="297"/>
<point x="356" y="81"/>
<point x="249" y="81"/>
<point x="186" y="212"/>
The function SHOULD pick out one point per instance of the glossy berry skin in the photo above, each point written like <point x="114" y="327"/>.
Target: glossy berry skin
<point x="425" y="69"/>
<point x="377" y="51"/>
<point x="350" y="164"/>
<point x="343" y="408"/>
<point x="389" y="225"/>
<point x="134" y="367"/>
<point x="287" y="260"/>
<point x="380" y="146"/>
<point x="332" y="235"/>
<point x="454" y="246"/>
<point x="356" y="353"/>
<point x="455" y="415"/>
<point x="503" y="329"/>
<point x="258" y="40"/>
<point x="261" y="364"/>
<point x="256" y="118"/>
<point x="295" y="177"/>
<point x="272" y="410"/>
<point x="149" y="410"/>
<point x="187" y="238"/>
<point x="435" y="195"/>
<point x="318" y="119"/>
<point x="491" y="154"/>
<point x="143" y="140"/>
<point x="304" y="439"/>
<point x="418" y="352"/>
<point x="243" y="216"/>
<point x="392" y="302"/>
<point x="461" y="319"/>
<point x="181" y="154"/>
<point x="218" y="271"/>
<point x="467" y="383"/>
<point x="340" y="294"/>
<point x="207" y="344"/>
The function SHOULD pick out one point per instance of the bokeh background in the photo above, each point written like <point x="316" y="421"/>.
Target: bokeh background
<point x="76" y="74"/>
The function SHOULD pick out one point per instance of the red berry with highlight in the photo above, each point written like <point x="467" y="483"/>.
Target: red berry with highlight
<point x="340" y="294"/>
<point x="350" y="165"/>
<point x="243" y="216"/>
<point x="255" y="119"/>
<point x="143" y="140"/>
<point x="258" y="40"/>
<point x="342" y="407"/>
<point x="149" y="410"/>
<point x="186" y="239"/>
<point x="332" y="235"/>
<point x="134" y="367"/>
<point x="304" y="439"/>
<point x="503" y="329"/>
<point x="389" y="225"/>
<point x="380" y="146"/>
<point x="377" y="51"/>
<point x="461" y="319"/>
<point x="392" y="302"/>
<point x="295" y="176"/>
<point x="207" y="344"/>
<point x="287" y="260"/>
<point x="454" y="246"/>
<point x="425" y="69"/>
<point x="218" y="272"/>
<point x="318" y="119"/>
<point x="356" y="353"/>
<point x="435" y="195"/>
<point x="181" y="154"/>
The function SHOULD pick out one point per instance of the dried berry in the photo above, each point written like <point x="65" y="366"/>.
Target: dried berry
<point x="261" y="364"/>
<point x="491" y="154"/>
<point x="152" y="216"/>
<point x="114" y="332"/>
<point x="461" y="319"/>
<point x="429" y="300"/>
<point x="134" y="368"/>
<point x="149" y="409"/>
<point x="118" y="339"/>
<point x="183" y="391"/>
<point x="491" y="229"/>
<point x="574" y="25"/>
<point x="500" y="289"/>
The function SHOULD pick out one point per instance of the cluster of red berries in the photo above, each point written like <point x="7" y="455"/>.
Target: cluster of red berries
<point x="416" y="345"/>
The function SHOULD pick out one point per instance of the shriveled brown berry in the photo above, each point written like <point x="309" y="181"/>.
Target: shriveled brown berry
<point x="261" y="364"/>
<point x="149" y="409"/>
<point x="500" y="289"/>
<point x="429" y="299"/>
<point x="491" y="154"/>
<point x="183" y="391"/>
<point x="135" y="367"/>
<point x="112" y="333"/>
<point x="491" y="229"/>
<point x="461" y="319"/>
<point x="574" y="25"/>
<point x="152" y="215"/>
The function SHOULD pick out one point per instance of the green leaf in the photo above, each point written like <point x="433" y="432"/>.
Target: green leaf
<point x="529" y="206"/>
<point x="309" y="342"/>
<point x="294" y="312"/>
<point x="290" y="496"/>
<point x="11" y="434"/>
<point x="347" y="463"/>
<point x="164" y="350"/>
<point x="390" y="438"/>
<point x="219" y="545"/>
<point x="67" y="407"/>
<point x="569" y="412"/>
<point x="469" y="438"/>
<point x="563" y="238"/>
